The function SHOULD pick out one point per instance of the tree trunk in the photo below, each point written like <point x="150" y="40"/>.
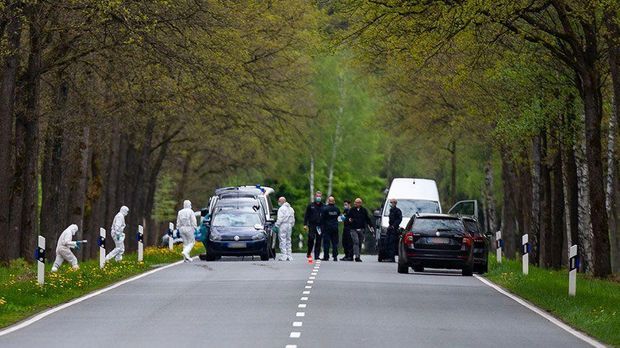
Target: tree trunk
<point x="557" y="237"/>
<point x="54" y="184"/>
<point x="613" y="43"/>
<point x="80" y="181"/>
<point x="545" y="206"/>
<point x="113" y="170"/>
<point x="592" y="99"/>
<point x="180" y="194"/>
<point x="337" y="137"/>
<point x="28" y="123"/>
<point x="490" y="200"/>
<point x="8" y="81"/>
<point x="509" y="219"/>
<point x="611" y="202"/>
<point x="584" y="229"/>
<point x="151" y="233"/>
<point x="571" y="198"/>
<point x="534" y="234"/>
<point x="452" y="150"/>
<point x="525" y="193"/>
<point x="94" y="210"/>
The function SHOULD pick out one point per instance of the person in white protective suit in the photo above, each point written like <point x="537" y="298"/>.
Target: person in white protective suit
<point x="117" y="234"/>
<point x="187" y="224"/>
<point x="284" y="227"/>
<point x="64" y="246"/>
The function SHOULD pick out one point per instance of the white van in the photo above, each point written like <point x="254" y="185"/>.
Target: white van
<point x="414" y="196"/>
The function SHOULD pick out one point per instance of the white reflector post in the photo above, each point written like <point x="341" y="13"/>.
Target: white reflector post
<point x="498" y="246"/>
<point x="101" y="247"/>
<point x="140" y="243"/>
<point x="525" y="254"/>
<point x="301" y="241"/>
<point x="572" y="273"/>
<point x="41" y="261"/>
<point x="170" y="236"/>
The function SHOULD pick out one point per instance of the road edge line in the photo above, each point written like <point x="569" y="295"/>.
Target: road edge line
<point x="27" y="322"/>
<point x="557" y="322"/>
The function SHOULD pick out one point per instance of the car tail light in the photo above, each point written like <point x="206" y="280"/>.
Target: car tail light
<point x="408" y="239"/>
<point x="467" y="242"/>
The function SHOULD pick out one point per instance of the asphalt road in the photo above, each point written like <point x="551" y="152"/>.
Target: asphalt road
<point x="235" y="303"/>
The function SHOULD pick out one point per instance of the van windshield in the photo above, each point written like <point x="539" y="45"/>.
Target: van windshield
<point x="411" y="206"/>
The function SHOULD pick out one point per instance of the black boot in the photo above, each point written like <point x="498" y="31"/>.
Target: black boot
<point x="357" y="259"/>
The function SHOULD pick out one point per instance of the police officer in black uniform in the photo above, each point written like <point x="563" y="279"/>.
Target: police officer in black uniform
<point x="329" y="223"/>
<point x="395" y="218"/>
<point x="312" y="224"/>
<point x="347" y="242"/>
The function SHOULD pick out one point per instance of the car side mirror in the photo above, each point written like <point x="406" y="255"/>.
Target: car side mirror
<point x="377" y="213"/>
<point x="258" y="227"/>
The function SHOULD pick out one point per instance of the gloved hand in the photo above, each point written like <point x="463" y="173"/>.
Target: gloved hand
<point x="276" y="229"/>
<point x="318" y="230"/>
<point x="78" y="244"/>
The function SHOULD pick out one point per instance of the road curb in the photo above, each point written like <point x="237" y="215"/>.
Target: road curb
<point x="557" y="322"/>
<point x="27" y="322"/>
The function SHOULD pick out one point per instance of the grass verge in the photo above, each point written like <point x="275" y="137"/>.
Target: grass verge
<point x="21" y="296"/>
<point x="595" y="310"/>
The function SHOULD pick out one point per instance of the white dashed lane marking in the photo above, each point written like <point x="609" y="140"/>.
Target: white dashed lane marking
<point x="298" y="324"/>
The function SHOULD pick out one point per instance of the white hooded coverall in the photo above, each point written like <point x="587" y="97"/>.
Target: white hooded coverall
<point x="285" y="222"/>
<point x="187" y="224"/>
<point x="116" y="232"/>
<point x="63" y="251"/>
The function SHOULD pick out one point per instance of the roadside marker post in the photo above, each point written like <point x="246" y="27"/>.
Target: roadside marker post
<point x="525" y="251"/>
<point x="140" y="243"/>
<point x="101" y="243"/>
<point x="499" y="243"/>
<point x="40" y="256"/>
<point x="170" y="236"/>
<point x="572" y="273"/>
<point x="301" y="241"/>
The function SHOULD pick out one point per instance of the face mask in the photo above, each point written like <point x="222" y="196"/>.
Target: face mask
<point x="318" y="199"/>
<point x="280" y="204"/>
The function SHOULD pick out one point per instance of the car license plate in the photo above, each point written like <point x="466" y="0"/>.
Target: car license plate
<point x="441" y="240"/>
<point x="237" y="245"/>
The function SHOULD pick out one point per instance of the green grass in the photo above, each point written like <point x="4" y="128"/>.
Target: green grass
<point x="22" y="297"/>
<point x="595" y="310"/>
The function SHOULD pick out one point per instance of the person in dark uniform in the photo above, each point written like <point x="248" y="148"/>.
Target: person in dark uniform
<point x="359" y="219"/>
<point x="329" y="226"/>
<point x="312" y="224"/>
<point x="395" y="218"/>
<point x="347" y="242"/>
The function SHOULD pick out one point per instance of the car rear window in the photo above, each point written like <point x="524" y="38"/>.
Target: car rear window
<point x="432" y="225"/>
<point x="471" y="227"/>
